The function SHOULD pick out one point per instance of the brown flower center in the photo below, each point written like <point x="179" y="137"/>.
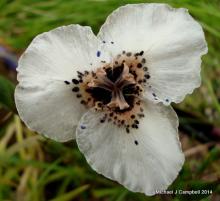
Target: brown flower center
<point x="115" y="89"/>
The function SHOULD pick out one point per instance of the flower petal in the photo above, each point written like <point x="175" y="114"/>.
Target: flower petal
<point x="145" y="160"/>
<point x="172" y="41"/>
<point x="44" y="96"/>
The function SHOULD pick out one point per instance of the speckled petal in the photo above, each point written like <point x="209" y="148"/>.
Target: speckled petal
<point x="44" y="96"/>
<point x="172" y="41"/>
<point x="145" y="160"/>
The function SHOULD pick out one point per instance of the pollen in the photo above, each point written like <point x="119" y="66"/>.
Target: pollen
<point x="115" y="88"/>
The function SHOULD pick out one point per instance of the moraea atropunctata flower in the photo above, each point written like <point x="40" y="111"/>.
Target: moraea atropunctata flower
<point x="112" y="92"/>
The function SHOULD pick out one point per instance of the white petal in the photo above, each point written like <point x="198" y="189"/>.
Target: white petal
<point x="59" y="54"/>
<point x="145" y="160"/>
<point x="50" y="109"/>
<point x="44" y="102"/>
<point x="172" y="41"/>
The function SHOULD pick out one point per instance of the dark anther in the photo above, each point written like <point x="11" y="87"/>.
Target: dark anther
<point x="128" y="54"/>
<point x="115" y="73"/>
<point x="136" y="142"/>
<point x="100" y="94"/>
<point x="78" y="95"/>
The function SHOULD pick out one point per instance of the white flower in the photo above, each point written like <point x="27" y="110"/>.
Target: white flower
<point x="114" y="90"/>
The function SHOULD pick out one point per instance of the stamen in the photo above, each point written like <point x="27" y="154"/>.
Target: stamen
<point x="115" y="89"/>
<point x="124" y="79"/>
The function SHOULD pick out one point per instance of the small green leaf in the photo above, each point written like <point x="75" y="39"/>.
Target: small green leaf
<point x="7" y="93"/>
<point x="214" y="155"/>
<point x="72" y="194"/>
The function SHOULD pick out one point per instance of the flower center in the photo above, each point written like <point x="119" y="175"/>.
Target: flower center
<point x="115" y="89"/>
<point x="114" y="80"/>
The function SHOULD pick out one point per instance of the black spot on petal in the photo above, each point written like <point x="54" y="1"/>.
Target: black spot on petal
<point x="66" y="82"/>
<point x="83" y="127"/>
<point x="132" y="116"/>
<point x="147" y="76"/>
<point x="75" y="81"/>
<point x="75" y="89"/>
<point x="98" y="54"/>
<point x="145" y="69"/>
<point x="143" y="60"/>
<point x="141" y="53"/>
<point x="139" y="65"/>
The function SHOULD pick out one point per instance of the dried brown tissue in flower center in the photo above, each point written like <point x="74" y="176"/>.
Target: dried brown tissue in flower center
<point x="115" y="88"/>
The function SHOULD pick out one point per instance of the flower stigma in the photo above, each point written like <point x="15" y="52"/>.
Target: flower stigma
<point x="115" y="88"/>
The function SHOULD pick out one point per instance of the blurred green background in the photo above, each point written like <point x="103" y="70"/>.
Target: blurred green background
<point x="37" y="169"/>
